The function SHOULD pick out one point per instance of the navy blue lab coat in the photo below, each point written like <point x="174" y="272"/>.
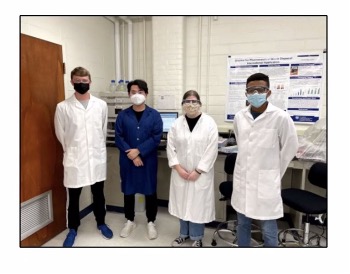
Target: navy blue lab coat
<point x="145" y="136"/>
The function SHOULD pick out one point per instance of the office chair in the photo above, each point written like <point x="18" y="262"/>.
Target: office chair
<point x="226" y="231"/>
<point x="309" y="204"/>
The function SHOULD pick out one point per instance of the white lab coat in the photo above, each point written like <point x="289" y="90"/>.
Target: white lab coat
<point x="193" y="200"/>
<point x="82" y="133"/>
<point x="266" y="146"/>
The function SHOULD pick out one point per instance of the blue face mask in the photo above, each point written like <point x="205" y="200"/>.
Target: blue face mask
<point x="256" y="99"/>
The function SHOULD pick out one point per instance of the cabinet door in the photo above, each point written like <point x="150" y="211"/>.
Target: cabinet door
<point x="163" y="177"/>
<point x="113" y="192"/>
<point x="219" y="177"/>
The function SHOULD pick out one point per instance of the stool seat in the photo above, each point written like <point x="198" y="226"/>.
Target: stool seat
<point x="304" y="201"/>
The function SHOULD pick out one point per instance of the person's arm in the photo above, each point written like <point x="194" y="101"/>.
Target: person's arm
<point x="119" y="133"/>
<point x="211" y="152"/>
<point x="60" y="126"/>
<point x="171" y="148"/>
<point x="153" y="141"/>
<point x="235" y="130"/>
<point x="105" y="120"/>
<point x="288" y="143"/>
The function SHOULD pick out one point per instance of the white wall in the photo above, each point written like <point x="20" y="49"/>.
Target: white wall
<point x="86" y="41"/>
<point x="200" y="46"/>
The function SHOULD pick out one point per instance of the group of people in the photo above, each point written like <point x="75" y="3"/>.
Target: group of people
<point x="265" y="136"/>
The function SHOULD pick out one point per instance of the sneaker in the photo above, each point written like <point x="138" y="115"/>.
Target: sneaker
<point x="105" y="231"/>
<point x="179" y="241"/>
<point x="152" y="231"/>
<point x="69" y="241"/>
<point x="128" y="228"/>
<point x="197" y="243"/>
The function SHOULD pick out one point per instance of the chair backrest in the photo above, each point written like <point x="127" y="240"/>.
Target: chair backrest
<point x="230" y="162"/>
<point x="318" y="175"/>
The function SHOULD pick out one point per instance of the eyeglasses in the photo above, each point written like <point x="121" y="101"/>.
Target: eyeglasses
<point x="193" y="102"/>
<point x="260" y="90"/>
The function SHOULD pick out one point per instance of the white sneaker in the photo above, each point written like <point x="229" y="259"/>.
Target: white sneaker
<point x="128" y="228"/>
<point x="152" y="231"/>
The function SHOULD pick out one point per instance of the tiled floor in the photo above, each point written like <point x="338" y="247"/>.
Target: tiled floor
<point x="167" y="226"/>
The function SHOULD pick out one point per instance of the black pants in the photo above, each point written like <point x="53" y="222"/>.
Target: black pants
<point x="151" y="207"/>
<point x="98" y="204"/>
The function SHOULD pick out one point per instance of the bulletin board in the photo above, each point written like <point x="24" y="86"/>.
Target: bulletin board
<point x="296" y="83"/>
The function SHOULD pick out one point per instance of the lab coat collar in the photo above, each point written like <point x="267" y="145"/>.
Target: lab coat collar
<point x="75" y="101"/>
<point x="270" y="108"/>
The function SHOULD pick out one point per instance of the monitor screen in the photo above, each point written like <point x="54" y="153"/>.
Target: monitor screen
<point x="168" y="119"/>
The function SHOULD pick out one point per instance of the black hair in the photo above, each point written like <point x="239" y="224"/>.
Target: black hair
<point x="259" y="77"/>
<point x="140" y="83"/>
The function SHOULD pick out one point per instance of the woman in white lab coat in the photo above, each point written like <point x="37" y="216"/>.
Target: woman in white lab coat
<point x="192" y="149"/>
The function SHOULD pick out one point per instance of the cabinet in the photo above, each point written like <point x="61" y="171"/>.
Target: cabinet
<point x="112" y="189"/>
<point x="219" y="177"/>
<point x="163" y="176"/>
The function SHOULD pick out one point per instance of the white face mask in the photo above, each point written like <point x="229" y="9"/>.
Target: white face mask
<point x="138" y="99"/>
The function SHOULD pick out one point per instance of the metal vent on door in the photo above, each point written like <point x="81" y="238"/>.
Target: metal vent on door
<point x="36" y="213"/>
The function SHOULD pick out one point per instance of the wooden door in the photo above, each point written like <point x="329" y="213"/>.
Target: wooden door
<point x="42" y="87"/>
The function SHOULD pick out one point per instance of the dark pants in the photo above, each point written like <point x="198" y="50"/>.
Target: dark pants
<point x="151" y="207"/>
<point x="98" y="205"/>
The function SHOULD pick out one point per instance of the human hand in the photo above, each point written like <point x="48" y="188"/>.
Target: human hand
<point x="193" y="176"/>
<point x="132" y="153"/>
<point x="138" y="161"/>
<point x="182" y="172"/>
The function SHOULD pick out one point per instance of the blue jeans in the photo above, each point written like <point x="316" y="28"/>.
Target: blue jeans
<point x="269" y="231"/>
<point x="194" y="230"/>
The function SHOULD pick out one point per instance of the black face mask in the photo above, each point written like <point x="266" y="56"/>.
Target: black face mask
<point x="82" y="88"/>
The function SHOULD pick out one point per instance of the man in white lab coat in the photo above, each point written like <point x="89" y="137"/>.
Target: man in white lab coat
<point x="81" y="127"/>
<point x="192" y="149"/>
<point x="267" y="142"/>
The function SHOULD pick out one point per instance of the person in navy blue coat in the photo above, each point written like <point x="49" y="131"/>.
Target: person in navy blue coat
<point x="138" y="131"/>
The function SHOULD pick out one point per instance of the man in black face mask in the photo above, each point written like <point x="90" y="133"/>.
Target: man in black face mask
<point x="81" y="127"/>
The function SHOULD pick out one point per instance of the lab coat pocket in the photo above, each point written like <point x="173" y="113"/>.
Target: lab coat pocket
<point x="269" y="184"/>
<point x="100" y="154"/>
<point x="203" y="182"/>
<point x="267" y="138"/>
<point x="70" y="156"/>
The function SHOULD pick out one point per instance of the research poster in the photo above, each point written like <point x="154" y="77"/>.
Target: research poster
<point x="295" y="81"/>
